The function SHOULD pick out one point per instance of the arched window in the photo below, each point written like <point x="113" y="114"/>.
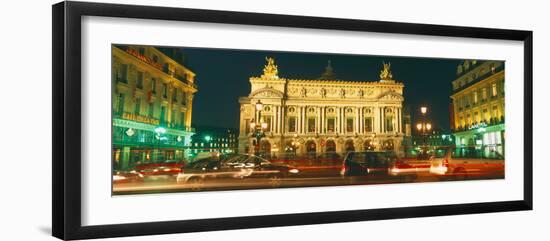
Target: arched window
<point x="348" y="146"/>
<point x="330" y="146"/>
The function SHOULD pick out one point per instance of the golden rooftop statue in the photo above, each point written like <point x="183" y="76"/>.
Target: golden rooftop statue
<point x="270" y="69"/>
<point x="385" y="73"/>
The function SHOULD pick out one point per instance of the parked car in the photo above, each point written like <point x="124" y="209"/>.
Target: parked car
<point x="127" y="177"/>
<point x="367" y="163"/>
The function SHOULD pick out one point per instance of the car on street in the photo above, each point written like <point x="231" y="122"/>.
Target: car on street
<point x="328" y="158"/>
<point x="165" y="169"/>
<point x="367" y="163"/>
<point x="120" y="177"/>
<point x="446" y="167"/>
<point x="196" y="172"/>
<point x="252" y="166"/>
<point x="235" y="167"/>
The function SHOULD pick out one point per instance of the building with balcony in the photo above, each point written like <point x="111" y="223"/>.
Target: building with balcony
<point x="477" y="109"/>
<point x="152" y="103"/>
<point x="313" y="116"/>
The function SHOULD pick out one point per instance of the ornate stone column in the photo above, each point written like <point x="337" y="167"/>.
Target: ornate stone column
<point x="357" y="120"/>
<point x="377" y="124"/>
<point x="338" y="119"/>
<point x="383" y="119"/>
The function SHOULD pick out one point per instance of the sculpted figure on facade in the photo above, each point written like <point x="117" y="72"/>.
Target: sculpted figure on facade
<point x="303" y="92"/>
<point x="342" y="93"/>
<point x="323" y="93"/>
<point x="361" y="93"/>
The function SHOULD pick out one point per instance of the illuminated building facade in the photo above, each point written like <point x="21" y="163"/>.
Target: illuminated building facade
<point x="435" y="138"/>
<point x="313" y="116"/>
<point x="477" y="109"/>
<point x="152" y="102"/>
<point x="214" y="139"/>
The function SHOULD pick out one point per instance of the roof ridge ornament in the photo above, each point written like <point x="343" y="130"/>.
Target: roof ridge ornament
<point x="270" y="69"/>
<point x="329" y="72"/>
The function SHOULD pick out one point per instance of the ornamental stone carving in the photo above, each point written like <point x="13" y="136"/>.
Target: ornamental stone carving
<point x="270" y="69"/>
<point x="342" y="93"/>
<point x="267" y="92"/>
<point x="303" y="92"/>
<point x="385" y="73"/>
<point x="361" y="93"/>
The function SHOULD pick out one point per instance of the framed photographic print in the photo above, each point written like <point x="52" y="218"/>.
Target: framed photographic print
<point x="170" y="120"/>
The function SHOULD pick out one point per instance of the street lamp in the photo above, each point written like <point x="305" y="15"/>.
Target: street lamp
<point x="259" y="106"/>
<point x="258" y="127"/>
<point x="159" y="130"/>
<point x="424" y="126"/>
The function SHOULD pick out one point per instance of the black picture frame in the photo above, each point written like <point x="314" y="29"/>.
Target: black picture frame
<point x="67" y="137"/>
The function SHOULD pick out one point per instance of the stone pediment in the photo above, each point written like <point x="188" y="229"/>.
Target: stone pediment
<point x="390" y="95"/>
<point x="267" y="92"/>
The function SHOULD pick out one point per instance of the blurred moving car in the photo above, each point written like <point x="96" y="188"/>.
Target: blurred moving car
<point x="367" y="163"/>
<point x="166" y="169"/>
<point x="236" y="166"/>
<point x="329" y="158"/>
<point x="409" y="169"/>
<point x="127" y="177"/>
<point x="197" y="171"/>
<point x="255" y="166"/>
<point x="446" y="167"/>
<point x="323" y="159"/>
<point x="288" y="159"/>
<point x="439" y="160"/>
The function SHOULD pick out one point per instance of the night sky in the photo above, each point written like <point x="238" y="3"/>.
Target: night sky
<point x="223" y="76"/>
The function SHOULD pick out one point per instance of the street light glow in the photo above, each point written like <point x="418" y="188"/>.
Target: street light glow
<point x="423" y="109"/>
<point x="428" y="126"/>
<point x="419" y="126"/>
<point x="259" y="105"/>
